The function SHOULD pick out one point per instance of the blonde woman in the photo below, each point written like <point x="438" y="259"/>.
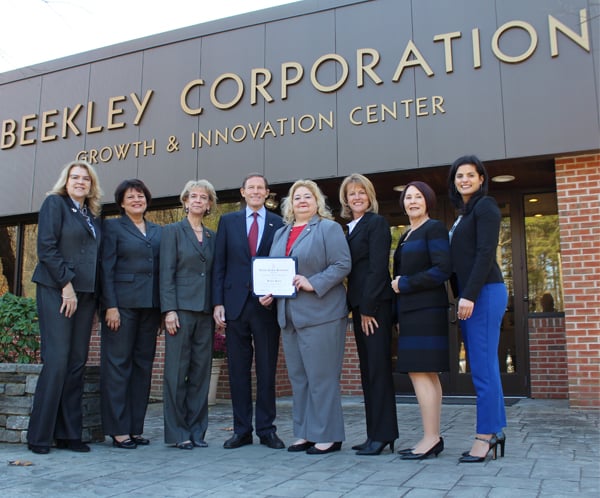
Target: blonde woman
<point x="313" y="324"/>
<point x="66" y="276"/>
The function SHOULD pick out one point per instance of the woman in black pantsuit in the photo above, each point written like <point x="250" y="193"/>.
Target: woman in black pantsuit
<point x="421" y="268"/>
<point x="131" y="318"/>
<point x="370" y="300"/>
<point x="66" y="277"/>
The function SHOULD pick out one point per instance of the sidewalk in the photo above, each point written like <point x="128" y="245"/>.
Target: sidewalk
<point x="551" y="451"/>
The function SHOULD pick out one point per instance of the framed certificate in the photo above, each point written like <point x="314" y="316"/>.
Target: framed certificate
<point x="274" y="276"/>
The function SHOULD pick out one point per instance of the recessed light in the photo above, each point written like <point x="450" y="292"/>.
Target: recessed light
<point x="399" y="188"/>
<point x="534" y="199"/>
<point x="538" y="215"/>
<point x="503" y="178"/>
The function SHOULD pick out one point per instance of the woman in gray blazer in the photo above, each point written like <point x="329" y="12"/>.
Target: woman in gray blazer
<point x="187" y="251"/>
<point x="313" y="323"/>
<point x="131" y="317"/>
<point x="66" y="276"/>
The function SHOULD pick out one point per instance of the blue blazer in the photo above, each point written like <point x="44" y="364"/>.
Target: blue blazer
<point x="129" y="266"/>
<point x="232" y="273"/>
<point x="324" y="259"/>
<point x="185" y="268"/>
<point x="66" y="246"/>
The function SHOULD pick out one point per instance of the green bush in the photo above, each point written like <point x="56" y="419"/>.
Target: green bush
<point x="19" y="330"/>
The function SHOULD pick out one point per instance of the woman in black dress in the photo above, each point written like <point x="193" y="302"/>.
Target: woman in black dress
<point x="421" y="267"/>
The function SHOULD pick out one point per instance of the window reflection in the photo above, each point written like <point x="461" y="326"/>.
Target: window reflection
<point x="544" y="273"/>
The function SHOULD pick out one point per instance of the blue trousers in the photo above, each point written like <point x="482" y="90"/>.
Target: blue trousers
<point x="481" y="335"/>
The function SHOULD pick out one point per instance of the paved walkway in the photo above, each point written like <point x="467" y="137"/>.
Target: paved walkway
<point x="551" y="451"/>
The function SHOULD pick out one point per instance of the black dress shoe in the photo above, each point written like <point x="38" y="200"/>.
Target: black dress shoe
<point x="313" y="450"/>
<point x="185" y="445"/>
<point x="140" y="441"/>
<point x="126" y="444"/>
<point x="40" y="450"/>
<point x="361" y="445"/>
<point x="405" y="451"/>
<point x="435" y="450"/>
<point x="200" y="443"/>
<point x="73" y="445"/>
<point x="300" y="446"/>
<point x="272" y="441"/>
<point x="375" y="447"/>
<point x="237" y="441"/>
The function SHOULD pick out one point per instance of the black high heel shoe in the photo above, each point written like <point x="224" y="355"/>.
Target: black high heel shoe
<point x="435" y="450"/>
<point x="361" y="446"/>
<point x="313" y="450"/>
<point x="126" y="444"/>
<point x="494" y="441"/>
<point x="501" y="437"/>
<point x="375" y="447"/>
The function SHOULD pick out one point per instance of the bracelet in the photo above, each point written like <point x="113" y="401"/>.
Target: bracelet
<point x="72" y="297"/>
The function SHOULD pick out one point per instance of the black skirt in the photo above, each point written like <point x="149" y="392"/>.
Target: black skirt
<point x="423" y="341"/>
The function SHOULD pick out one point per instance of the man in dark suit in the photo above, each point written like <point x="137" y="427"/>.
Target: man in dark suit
<point x="251" y="329"/>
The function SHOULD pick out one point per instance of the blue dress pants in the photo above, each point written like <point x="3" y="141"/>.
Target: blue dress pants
<point x="481" y="335"/>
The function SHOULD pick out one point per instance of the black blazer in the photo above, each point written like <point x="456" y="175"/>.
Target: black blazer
<point x="232" y="275"/>
<point x="185" y="268"/>
<point x="423" y="263"/>
<point x="473" y="248"/>
<point x="369" y="281"/>
<point x="66" y="246"/>
<point x="129" y="266"/>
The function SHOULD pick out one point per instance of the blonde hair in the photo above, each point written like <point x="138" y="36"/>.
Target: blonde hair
<point x="363" y="181"/>
<point x="206" y="185"/>
<point x="287" y="210"/>
<point x="95" y="194"/>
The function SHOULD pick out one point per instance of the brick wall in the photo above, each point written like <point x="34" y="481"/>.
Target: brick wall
<point x="548" y="357"/>
<point x="578" y="193"/>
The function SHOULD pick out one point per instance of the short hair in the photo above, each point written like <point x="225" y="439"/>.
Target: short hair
<point x="455" y="197"/>
<point x="287" y="209"/>
<point x="133" y="184"/>
<point x="363" y="181"/>
<point x="206" y="185"/>
<point x="255" y="175"/>
<point x="426" y="190"/>
<point x="93" y="198"/>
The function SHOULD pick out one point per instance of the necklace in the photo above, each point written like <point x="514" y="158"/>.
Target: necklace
<point x="197" y="229"/>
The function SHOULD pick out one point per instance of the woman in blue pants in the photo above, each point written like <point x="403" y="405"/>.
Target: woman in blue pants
<point x="482" y="297"/>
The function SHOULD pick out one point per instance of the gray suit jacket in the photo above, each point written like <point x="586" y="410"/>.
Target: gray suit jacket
<point x="324" y="258"/>
<point x="185" y="268"/>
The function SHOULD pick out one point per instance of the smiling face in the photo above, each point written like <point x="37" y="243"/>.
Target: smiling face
<point x="304" y="204"/>
<point x="134" y="203"/>
<point x="357" y="199"/>
<point x="255" y="192"/>
<point x="467" y="181"/>
<point x="198" y="201"/>
<point x="415" y="204"/>
<point x="79" y="184"/>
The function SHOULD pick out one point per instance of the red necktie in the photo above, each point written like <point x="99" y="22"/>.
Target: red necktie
<point x="253" y="235"/>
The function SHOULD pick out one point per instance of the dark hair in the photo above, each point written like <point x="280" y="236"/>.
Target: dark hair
<point x="255" y="175"/>
<point x="455" y="197"/>
<point x="125" y="185"/>
<point x="426" y="190"/>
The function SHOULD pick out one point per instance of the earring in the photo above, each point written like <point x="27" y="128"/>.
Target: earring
<point x="207" y="212"/>
<point x="186" y="209"/>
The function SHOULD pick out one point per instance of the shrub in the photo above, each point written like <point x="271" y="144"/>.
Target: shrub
<point x="19" y="330"/>
<point x="219" y="349"/>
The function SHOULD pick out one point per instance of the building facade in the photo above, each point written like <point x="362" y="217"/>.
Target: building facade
<point x="394" y="89"/>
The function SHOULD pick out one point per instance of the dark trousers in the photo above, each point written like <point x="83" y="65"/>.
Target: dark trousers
<point x="126" y="370"/>
<point x="254" y="333"/>
<point x="374" y="353"/>
<point x="188" y="360"/>
<point x="65" y="342"/>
